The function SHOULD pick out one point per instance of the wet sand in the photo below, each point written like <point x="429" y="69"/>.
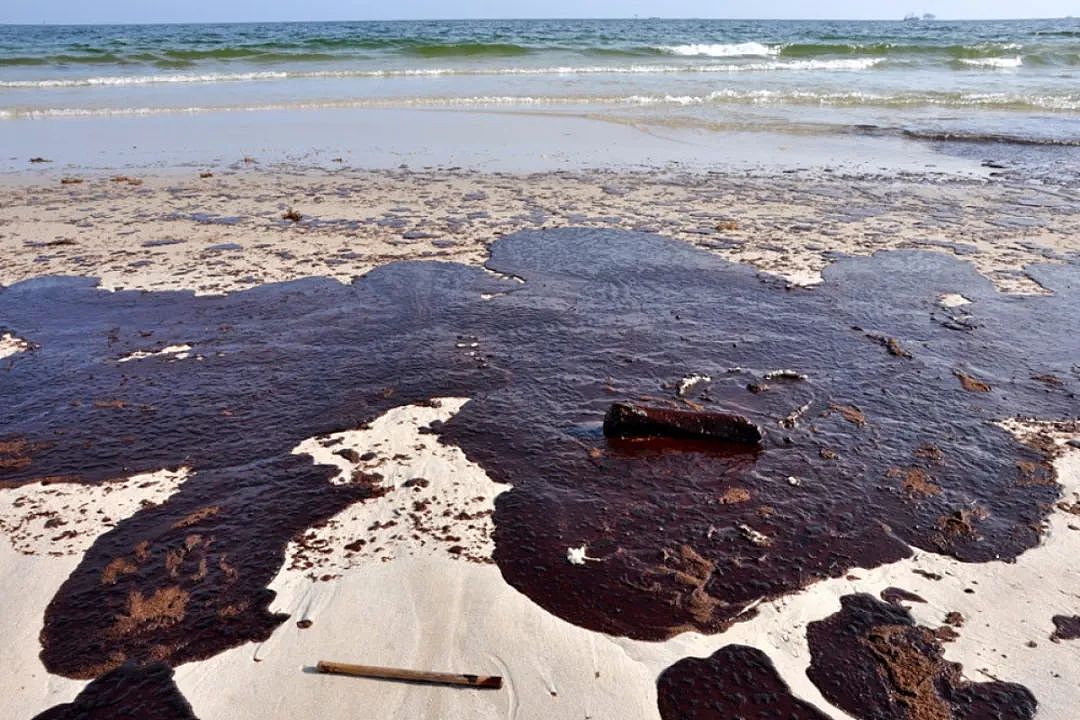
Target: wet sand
<point x="424" y="478"/>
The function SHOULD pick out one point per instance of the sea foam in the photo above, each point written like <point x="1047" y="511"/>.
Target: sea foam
<point x="1002" y="63"/>
<point x="746" y="49"/>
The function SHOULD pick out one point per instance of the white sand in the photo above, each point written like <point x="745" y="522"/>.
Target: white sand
<point x="49" y="528"/>
<point x="953" y="300"/>
<point x="443" y="483"/>
<point x="173" y="352"/>
<point x="11" y="345"/>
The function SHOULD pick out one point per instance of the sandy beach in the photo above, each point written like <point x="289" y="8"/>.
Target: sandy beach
<point x="178" y="230"/>
<point x="425" y="594"/>
<point x="312" y="355"/>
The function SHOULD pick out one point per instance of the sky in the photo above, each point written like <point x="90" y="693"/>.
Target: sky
<point x="116" y="11"/>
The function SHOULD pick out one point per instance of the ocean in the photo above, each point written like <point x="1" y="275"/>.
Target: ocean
<point x="1014" y="82"/>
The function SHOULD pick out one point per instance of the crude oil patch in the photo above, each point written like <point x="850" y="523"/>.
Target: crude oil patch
<point x="872" y="660"/>
<point x="127" y="693"/>
<point x="736" y="682"/>
<point x="873" y="442"/>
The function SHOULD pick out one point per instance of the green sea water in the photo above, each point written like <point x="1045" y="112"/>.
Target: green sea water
<point x="1014" y="81"/>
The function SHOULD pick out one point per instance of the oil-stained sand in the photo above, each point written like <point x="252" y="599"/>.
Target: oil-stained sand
<point x="127" y="693"/>
<point x="735" y="682"/>
<point x="872" y="660"/>
<point x="872" y="452"/>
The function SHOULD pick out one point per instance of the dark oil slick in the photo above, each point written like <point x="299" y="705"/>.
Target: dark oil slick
<point x="736" y="682"/>
<point x="870" y="453"/>
<point x="872" y="661"/>
<point x="1066" y="627"/>
<point x="605" y="317"/>
<point x="127" y="693"/>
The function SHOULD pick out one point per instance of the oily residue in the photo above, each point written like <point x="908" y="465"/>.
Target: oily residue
<point x="736" y="682"/>
<point x="872" y="661"/>
<point x="899" y="596"/>
<point x="606" y="320"/>
<point x="127" y="693"/>
<point x="176" y="582"/>
<point x="684" y="536"/>
<point x="1066" y="627"/>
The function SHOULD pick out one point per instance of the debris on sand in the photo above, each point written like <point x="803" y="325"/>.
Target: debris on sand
<point x="39" y="160"/>
<point x="71" y="181"/>
<point x="293" y="216"/>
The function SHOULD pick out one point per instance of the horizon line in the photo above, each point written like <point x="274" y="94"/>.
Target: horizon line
<point x="505" y="19"/>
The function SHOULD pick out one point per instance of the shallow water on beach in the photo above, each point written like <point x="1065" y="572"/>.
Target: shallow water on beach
<point x="1010" y="81"/>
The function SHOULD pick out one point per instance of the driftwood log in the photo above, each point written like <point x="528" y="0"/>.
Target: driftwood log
<point x="628" y="420"/>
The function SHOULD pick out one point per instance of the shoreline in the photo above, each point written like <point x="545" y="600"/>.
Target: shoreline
<point x="488" y="139"/>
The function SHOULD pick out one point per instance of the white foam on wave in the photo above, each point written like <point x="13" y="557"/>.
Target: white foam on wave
<point x="210" y="78"/>
<point x="746" y="49"/>
<point x="1002" y="63"/>
<point x="802" y="65"/>
<point x="727" y="95"/>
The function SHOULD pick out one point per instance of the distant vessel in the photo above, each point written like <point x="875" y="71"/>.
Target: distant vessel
<point x="912" y="17"/>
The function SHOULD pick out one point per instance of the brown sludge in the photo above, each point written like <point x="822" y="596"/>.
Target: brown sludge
<point x="752" y="689"/>
<point x="872" y="661"/>
<point x="628" y="420"/>
<point x="1066" y="628"/>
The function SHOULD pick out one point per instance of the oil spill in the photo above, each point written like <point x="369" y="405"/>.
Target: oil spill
<point x="872" y="661"/>
<point x="184" y="581"/>
<point x="611" y="317"/>
<point x="685" y="539"/>
<point x="899" y="596"/>
<point x="736" y="682"/>
<point x="1066" y="628"/>
<point x="110" y="697"/>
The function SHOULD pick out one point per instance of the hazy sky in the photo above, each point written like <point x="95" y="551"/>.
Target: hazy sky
<point x="91" y="11"/>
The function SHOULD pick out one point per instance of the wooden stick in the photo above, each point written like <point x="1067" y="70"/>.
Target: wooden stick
<point x="493" y="682"/>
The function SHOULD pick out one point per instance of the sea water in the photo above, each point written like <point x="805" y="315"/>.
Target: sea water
<point x="1014" y="82"/>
